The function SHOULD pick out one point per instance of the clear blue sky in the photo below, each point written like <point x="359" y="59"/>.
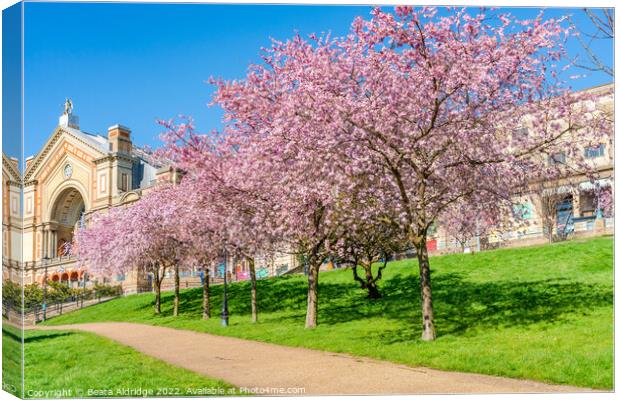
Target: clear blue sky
<point x="11" y="81"/>
<point x="134" y="63"/>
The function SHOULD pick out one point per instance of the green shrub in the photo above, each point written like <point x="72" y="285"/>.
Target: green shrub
<point x="104" y="290"/>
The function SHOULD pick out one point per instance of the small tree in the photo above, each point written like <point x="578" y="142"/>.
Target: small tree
<point x="143" y="235"/>
<point x="550" y="195"/>
<point x="366" y="245"/>
<point x="366" y="236"/>
<point x="470" y="219"/>
<point x="33" y="295"/>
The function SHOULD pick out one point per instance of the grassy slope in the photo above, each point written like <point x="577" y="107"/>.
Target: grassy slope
<point x="11" y="359"/>
<point x="78" y="361"/>
<point x="543" y="313"/>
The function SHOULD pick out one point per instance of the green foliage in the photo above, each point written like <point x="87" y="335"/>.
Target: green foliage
<point x="11" y="292"/>
<point x="56" y="292"/>
<point x="108" y="290"/>
<point x="33" y="295"/>
<point x="542" y="313"/>
<point x="88" y="293"/>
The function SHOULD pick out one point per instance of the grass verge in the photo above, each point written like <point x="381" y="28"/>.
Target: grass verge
<point x="63" y="364"/>
<point x="11" y="358"/>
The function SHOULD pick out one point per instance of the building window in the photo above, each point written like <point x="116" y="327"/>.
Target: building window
<point x="124" y="182"/>
<point x="564" y="214"/>
<point x="557" y="158"/>
<point x="102" y="183"/>
<point x="522" y="211"/>
<point x="595" y="151"/>
<point x="14" y="206"/>
<point x="587" y="203"/>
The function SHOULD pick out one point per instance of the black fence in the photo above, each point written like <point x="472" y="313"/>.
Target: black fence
<point x="38" y="312"/>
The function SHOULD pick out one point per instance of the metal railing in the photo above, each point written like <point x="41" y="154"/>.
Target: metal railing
<point x="40" y="311"/>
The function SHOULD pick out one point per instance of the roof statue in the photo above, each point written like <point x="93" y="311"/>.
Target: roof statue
<point x="68" y="107"/>
<point x="68" y="119"/>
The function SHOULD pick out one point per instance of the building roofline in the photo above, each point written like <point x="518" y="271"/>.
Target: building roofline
<point x="608" y="85"/>
<point x="119" y="126"/>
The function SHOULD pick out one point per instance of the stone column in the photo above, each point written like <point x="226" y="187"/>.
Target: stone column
<point x="50" y="249"/>
<point x="44" y="243"/>
<point x="54" y="243"/>
<point x="48" y="239"/>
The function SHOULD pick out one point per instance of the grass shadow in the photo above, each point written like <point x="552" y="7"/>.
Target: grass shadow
<point x="39" y="336"/>
<point x="460" y="304"/>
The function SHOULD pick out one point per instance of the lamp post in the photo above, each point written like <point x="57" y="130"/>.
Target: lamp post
<point x="225" y="299"/>
<point x="83" y="288"/>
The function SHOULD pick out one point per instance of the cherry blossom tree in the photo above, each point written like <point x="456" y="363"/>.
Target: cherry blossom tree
<point x="148" y="234"/>
<point x="203" y="242"/>
<point x="111" y="232"/>
<point x="470" y="218"/>
<point x="606" y="201"/>
<point x="232" y="211"/>
<point x="93" y="245"/>
<point x="296" y="198"/>
<point x="422" y="104"/>
<point x="366" y="235"/>
<point x="365" y="244"/>
<point x="601" y="28"/>
<point x="245" y="173"/>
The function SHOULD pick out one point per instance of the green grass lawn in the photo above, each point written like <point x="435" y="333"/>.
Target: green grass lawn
<point x="78" y="364"/>
<point x="542" y="313"/>
<point x="11" y="359"/>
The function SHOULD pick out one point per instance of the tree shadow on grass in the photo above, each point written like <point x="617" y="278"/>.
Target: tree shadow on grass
<point x="281" y="294"/>
<point x="42" y="336"/>
<point x="12" y="334"/>
<point x="459" y="304"/>
<point x="462" y="304"/>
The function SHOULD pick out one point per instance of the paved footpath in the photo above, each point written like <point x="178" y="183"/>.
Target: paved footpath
<point x="251" y="364"/>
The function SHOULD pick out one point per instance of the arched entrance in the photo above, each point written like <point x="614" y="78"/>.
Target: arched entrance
<point x="67" y="214"/>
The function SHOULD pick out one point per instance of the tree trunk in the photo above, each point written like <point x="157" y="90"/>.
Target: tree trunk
<point x="369" y="283"/>
<point x="253" y="283"/>
<point x="177" y="285"/>
<point x="548" y="226"/>
<point x="313" y="295"/>
<point x="158" y="276"/>
<point x="206" y="307"/>
<point x="373" y="291"/>
<point x="157" y="282"/>
<point x="428" y="324"/>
